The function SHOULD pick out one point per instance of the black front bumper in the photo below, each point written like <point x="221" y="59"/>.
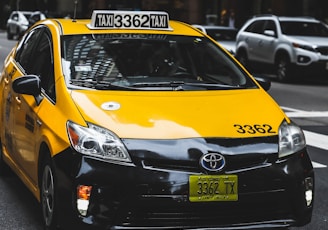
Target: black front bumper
<point x="153" y="192"/>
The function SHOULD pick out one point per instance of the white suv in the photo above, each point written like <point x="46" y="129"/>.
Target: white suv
<point x="17" y="23"/>
<point x="292" y="45"/>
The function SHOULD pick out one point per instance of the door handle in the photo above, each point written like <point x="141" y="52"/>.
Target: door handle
<point x="18" y="100"/>
<point x="260" y="43"/>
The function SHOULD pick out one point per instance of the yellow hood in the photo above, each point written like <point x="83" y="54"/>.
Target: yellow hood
<point x="187" y="114"/>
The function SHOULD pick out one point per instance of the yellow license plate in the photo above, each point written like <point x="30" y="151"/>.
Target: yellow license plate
<point x="204" y="188"/>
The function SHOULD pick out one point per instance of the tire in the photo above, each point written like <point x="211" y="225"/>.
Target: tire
<point x="243" y="58"/>
<point x="48" y="195"/>
<point x="10" y="36"/>
<point x="283" y="68"/>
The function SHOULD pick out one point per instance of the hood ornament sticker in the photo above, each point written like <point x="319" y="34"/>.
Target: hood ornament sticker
<point x="111" y="106"/>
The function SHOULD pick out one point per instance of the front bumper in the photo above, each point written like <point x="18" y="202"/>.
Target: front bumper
<point x="311" y="62"/>
<point x="315" y="69"/>
<point x="153" y="192"/>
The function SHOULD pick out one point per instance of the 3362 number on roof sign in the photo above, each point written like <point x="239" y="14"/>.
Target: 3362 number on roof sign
<point x="152" y="20"/>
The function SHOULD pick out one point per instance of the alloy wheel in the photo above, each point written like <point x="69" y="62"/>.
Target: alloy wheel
<point x="48" y="195"/>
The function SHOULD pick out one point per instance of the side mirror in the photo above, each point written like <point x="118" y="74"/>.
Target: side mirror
<point x="270" y="33"/>
<point x="30" y="85"/>
<point x="264" y="82"/>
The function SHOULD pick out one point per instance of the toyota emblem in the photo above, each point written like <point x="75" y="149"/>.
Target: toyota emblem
<point x="212" y="162"/>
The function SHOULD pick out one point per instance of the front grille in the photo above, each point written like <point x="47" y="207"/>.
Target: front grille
<point x="233" y="162"/>
<point x="185" y="154"/>
<point x="183" y="166"/>
<point x="250" y="208"/>
<point x="323" y="50"/>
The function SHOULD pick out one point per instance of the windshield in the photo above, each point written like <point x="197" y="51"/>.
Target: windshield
<point x="148" y="62"/>
<point x="27" y="15"/>
<point x="304" y="29"/>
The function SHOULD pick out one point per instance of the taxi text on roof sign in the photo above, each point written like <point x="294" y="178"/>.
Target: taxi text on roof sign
<point x="149" y="20"/>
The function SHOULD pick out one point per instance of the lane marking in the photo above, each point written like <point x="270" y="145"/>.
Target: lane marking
<point x="290" y="112"/>
<point x="318" y="165"/>
<point x="316" y="140"/>
<point x="319" y="141"/>
<point x="307" y="114"/>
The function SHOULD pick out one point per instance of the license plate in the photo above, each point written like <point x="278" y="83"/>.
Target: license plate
<point x="207" y="188"/>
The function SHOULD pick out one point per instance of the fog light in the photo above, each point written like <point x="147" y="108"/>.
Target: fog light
<point x="308" y="190"/>
<point x="303" y="59"/>
<point x="83" y="196"/>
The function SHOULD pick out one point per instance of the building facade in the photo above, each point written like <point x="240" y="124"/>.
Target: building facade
<point x="191" y="11"/>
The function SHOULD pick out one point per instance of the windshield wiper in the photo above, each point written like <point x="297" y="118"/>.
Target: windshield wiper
<point x="165" y="85"/>
<point x="214" y="86"/>
<point x="181" y="85"/>
<point x="172" y="84"/>
<point x="100" y="85"/>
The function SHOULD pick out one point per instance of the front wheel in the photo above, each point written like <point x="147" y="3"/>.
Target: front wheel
<point x="10" y="36"/>
<point x="48" y="196"/>
<point x="283" y="68"/>
<point x="243" y="58"/>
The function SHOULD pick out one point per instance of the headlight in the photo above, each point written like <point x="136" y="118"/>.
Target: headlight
<point x="291" y="139"/>
<point x="97" y="142"/>
<point x="304" y="47"/>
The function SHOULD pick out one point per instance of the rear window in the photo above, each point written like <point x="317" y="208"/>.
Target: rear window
<point x="27" y="15"/>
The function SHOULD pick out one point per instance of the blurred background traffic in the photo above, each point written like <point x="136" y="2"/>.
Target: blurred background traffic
<point x="215" y="12"/>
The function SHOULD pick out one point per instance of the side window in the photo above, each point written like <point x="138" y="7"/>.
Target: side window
<point x="34" y="54"/>
<point x="256" y="27"/>
<point x="25" y="50"/>
<point x="44" y="65"/>
<point x="271" y="25"/>
<point x="15" y="17"/>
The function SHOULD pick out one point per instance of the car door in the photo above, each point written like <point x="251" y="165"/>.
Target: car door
<point x="14" y="69"/>
<point x="10" y="70"/>
<point x="26" y="123"/>
<point x="266" y="42"/>
<point x="252" y="38"/>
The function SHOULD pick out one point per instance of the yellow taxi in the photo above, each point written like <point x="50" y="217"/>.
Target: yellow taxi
<point x="130" y="120"/>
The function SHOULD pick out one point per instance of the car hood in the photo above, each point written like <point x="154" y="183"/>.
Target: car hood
<point x="313" y="41"/>
<point x="171" y="115"/>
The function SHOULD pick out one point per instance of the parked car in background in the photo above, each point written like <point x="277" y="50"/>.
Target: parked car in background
<point x="226" y="36"/>
<point x="17" y="23"/>
<point x="35" y="17"/>
<point x="294" y="46"/>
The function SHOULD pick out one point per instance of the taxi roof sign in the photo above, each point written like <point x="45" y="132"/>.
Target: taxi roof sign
<point x="147" y="20"/>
